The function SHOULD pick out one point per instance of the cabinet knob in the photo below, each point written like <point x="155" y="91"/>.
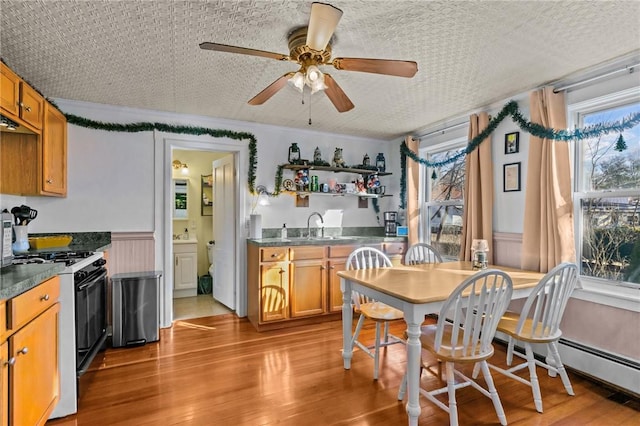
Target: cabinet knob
<point x="10" y="361"/>
<point x="274" y="255"/>
<point x="26" y="107"/>
<point x="44" y="298"/>
<point x="281" y="271"/>
<point x="49" y="181"/>
<point x="322" y="268"/>
<point x="332" y="267"/>
<point x="23" y="351"/>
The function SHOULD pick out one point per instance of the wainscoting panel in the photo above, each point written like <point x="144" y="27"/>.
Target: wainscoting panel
<point x="131" y="252"/>
<point x="507" y="248"/>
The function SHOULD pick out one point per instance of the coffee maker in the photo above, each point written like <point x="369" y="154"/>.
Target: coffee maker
<point x="390" y="224"/>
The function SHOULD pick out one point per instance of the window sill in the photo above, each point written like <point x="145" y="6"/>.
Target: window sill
<point x="617" y="296"/>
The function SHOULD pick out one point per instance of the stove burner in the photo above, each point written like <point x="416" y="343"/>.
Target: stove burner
<point x="66" y="257"/>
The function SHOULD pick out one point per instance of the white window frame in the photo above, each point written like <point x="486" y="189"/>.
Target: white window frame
<point x="598" y="290"/>
<point x="425" y="176"/>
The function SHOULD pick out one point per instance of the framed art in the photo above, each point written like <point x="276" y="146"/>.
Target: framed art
<point x="511" y="177"/>
<point x="512" y="143"/>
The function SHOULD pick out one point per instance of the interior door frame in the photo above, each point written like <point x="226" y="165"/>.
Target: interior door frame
<point x="165" y="143"/>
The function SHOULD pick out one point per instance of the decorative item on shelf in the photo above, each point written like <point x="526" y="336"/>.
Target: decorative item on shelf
<point x="288" y="185"/>
<point x="294" y="153"/>
<point x="360" y="186"/>
<point x="314" y="183"/>
<point x="366" y="161"/>
<point x="479" y="249"/>
<point x="302" y="180"/>
<point x="317" y="156"/>
<point x="373" y="183"/>
<point x="338" y="161"/>
<point x="380" y="162"/>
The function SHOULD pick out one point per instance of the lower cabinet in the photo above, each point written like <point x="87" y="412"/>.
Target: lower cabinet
<point x="30" y="376"/>
<point x="308" y="281"/>
<point x="185" y="270"/>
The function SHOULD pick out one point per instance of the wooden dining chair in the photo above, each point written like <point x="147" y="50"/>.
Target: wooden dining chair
<point x="463" y="334"/>
<point x="422" y="253"/>
<point x="539" y="322"/>
<point x="381" y="314"/>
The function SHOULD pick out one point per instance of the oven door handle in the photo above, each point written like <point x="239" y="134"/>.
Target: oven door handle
<point x="92" y="282"/>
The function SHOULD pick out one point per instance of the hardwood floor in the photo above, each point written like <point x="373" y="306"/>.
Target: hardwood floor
<point x="220" y="371"/>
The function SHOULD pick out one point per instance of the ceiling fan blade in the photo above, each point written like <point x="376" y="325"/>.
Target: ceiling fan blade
<point x="323" y="21"/>
<point x="243" y="50"/>
<point x="336" y="95"/>
<point x="377" y="66"/>
<point x="271" y="90"/>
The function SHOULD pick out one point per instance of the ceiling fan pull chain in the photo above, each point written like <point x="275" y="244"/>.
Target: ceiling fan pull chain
<point x="309" y="110"/>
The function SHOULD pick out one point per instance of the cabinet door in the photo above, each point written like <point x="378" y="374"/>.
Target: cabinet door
<point x="54" y="152"/>
<point x="274" y="291"/>
<point x="9" y="91"/>
<point x="31" y="105"/>
<point x="34" y="379"/>
<point x="185" y="271"/>
<point x="4" y="378"/>
<point x="308" y="288"/>
<point x="335" y="294"/>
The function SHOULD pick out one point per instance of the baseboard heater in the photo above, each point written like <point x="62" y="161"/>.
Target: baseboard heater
<point x="621" y="372"/>
<point x="617" y="371"/>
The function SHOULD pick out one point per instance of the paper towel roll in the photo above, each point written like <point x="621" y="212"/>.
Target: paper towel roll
<point x="255" y="226"/>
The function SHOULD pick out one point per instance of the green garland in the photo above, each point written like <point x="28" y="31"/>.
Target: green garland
<point x="535" y="129"/>
<point x="170" y="128"/>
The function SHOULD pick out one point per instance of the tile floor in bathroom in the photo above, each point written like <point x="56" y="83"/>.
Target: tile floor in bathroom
<point x="202" y="305"/>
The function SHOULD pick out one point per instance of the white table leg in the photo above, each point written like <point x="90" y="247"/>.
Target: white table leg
<point x="347" y="323"/>
<point x="413" y="370"/>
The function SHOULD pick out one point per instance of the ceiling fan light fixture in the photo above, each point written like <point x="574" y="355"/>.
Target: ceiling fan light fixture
<point x="318" y="85"/>
<point x="313" y="74"/>
<point x="297" y="81"/>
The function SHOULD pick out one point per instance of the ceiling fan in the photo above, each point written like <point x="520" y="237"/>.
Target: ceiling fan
<point x="310" y="47"/>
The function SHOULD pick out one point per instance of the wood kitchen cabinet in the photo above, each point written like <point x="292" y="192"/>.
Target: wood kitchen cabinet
<point x="19" y="101"/>
<point x="273" y="291"/>
<point x="33" y="387"/>
<point x="337" y="262"/>
<point x="34" y="157"/>
<point x="4" y="378"/>
<point x="54" y="152"/>
<point x="308" y="285"/>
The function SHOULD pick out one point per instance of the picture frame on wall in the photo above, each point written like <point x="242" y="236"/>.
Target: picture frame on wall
<point x="511" y="177"/>
<point x="512" y="143"/>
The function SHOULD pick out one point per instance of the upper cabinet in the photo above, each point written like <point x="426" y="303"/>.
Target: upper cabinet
<point x="33" y="155"/>
<point x="19" y="100"/>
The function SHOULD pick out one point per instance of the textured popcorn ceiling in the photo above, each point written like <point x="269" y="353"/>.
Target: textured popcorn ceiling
<point x="145" y="54"/>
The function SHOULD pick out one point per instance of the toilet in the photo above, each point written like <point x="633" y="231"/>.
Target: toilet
<point x="211" y="246"/>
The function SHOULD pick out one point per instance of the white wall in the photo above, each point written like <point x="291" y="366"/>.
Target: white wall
<point x="111" y="174"/>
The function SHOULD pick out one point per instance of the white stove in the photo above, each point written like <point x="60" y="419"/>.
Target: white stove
<point x="67" y="350"/>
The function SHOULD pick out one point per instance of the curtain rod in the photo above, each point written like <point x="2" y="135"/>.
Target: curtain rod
<point x="629" y="68"/>
<point x="445" y="129"/>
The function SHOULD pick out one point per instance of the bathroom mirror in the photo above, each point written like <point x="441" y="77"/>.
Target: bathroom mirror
<point x="180" y="191"/>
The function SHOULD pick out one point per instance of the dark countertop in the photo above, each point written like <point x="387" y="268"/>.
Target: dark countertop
<point x="303" y="241"/>
<point x="16" y="279"/>
<point x="82" y="241"/>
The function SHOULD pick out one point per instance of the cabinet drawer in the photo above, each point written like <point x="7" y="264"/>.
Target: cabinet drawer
<point x="25" y="307"/>
<point x="274" y="254"/>
<point x="341" y="251"/>
<point x="185" y="248"/>
<point x="310" y="252"/>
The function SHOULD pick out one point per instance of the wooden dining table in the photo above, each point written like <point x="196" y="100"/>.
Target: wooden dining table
<point x="416" y="290"/>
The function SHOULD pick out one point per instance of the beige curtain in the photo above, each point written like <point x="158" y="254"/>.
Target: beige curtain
<point x="548" y="211"/>
<point x="413" y="185"/>
<point x="477" y="222"/>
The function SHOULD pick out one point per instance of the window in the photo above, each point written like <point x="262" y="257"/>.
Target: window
<point x="442" y="215"/>
<point x="607" y="196"/>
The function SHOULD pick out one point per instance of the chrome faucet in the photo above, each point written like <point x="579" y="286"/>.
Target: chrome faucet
<point x="309" y="226"/>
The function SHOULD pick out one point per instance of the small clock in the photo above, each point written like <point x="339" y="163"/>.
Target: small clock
<point x="288" y="185"/>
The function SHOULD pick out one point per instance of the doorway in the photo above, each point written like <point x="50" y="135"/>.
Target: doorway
<point x="166" y="146"/>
